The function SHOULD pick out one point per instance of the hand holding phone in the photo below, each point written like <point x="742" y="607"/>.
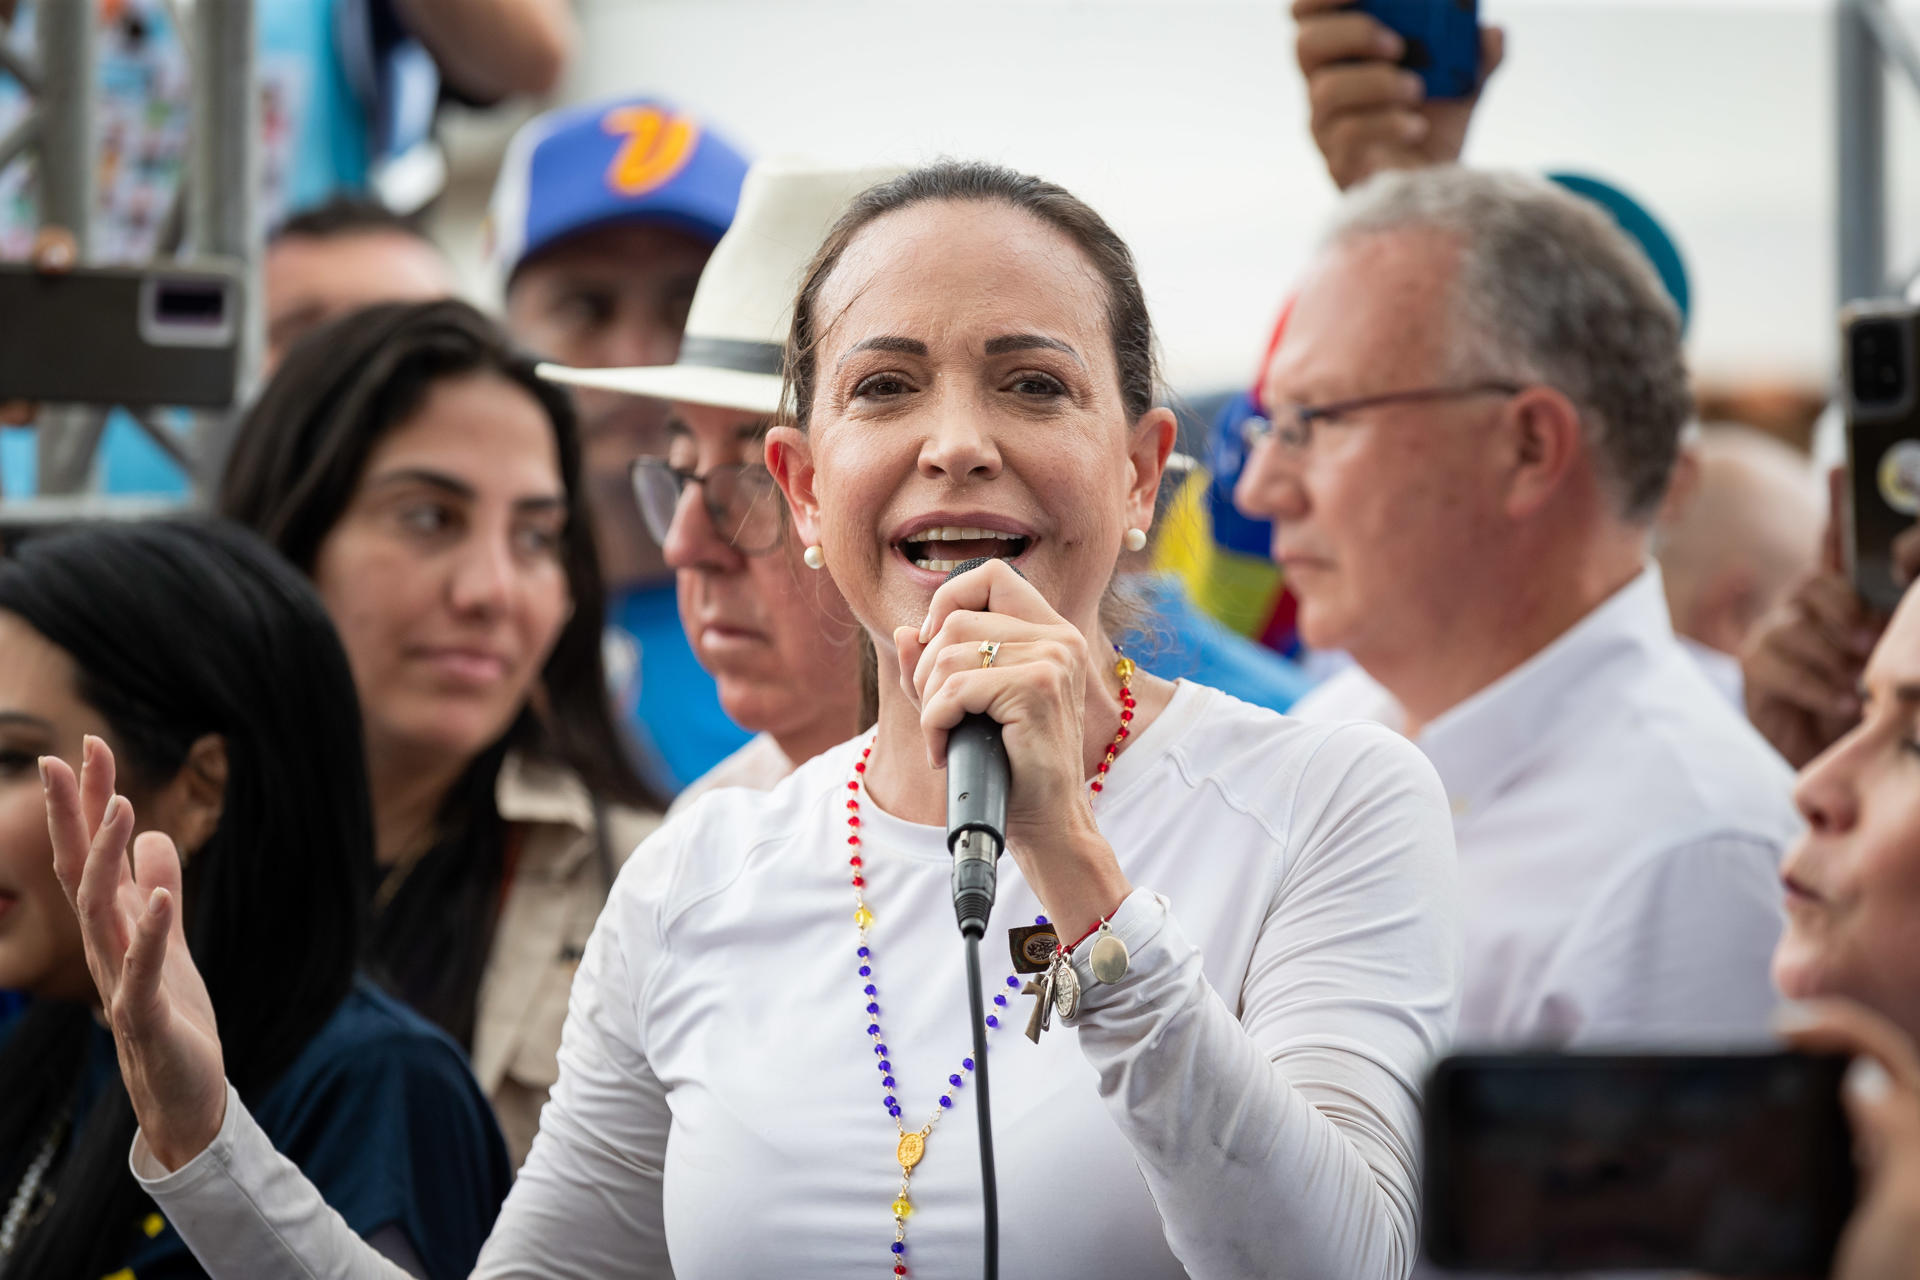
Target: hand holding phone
<point x="1392" y="83"/>
<point x="1801" y="663"/>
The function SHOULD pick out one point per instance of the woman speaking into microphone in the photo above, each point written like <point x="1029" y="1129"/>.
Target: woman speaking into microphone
<point x="1244" y="927"/>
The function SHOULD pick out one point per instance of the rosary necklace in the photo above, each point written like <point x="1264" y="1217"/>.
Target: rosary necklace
<point x="912" y="1144"/>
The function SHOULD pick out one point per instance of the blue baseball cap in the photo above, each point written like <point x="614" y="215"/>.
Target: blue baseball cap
<point x="623" y="161"/>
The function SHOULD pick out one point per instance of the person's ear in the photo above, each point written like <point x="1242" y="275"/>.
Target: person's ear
<point x="1682" y="487"/>
<point x="189" y="807"/>
<point x="1541" y="442"/>
<point x="790" y="459"/>
<point x="1728" y="608"/>
<point x="1148" y="450"/>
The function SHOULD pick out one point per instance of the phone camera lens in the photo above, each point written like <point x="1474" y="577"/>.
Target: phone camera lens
<point x="1879" y="372"/>
<point x="190" y="302"/>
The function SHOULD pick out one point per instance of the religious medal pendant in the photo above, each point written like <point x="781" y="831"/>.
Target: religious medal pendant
<point x="1109" y="956"/>
<point x="1032" y="946"/>
<point x="1066" y="987"/>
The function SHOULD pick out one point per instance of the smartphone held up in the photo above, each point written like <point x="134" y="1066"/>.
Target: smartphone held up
<point x="1442" y="39"/>
<point x="1881" y="399"/>
<point x="1724" y="1164"/>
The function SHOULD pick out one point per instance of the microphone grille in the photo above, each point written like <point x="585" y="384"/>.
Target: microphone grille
<point x="967" y="565"/>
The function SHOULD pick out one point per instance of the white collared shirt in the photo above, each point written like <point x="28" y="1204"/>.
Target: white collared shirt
<point x="1619" y="828"/>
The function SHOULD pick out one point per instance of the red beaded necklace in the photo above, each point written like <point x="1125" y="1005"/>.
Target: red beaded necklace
<point x="912" y="1145"/>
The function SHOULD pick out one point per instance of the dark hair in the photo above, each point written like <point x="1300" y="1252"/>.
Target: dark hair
<point x="177" y="631"/>
<point x="959" y="181"/>
<point x="349" y="216"/>
<point x="296" y="461"/>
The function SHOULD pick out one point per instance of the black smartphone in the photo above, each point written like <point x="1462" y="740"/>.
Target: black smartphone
<point x="120" y="335"/>
<point x="1878" y="391"/>
<point x="1442" y="39"/>
<point x="1733" y="1165"/>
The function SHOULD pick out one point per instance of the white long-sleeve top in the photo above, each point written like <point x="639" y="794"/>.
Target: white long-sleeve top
<point x="1242" y="1103"/>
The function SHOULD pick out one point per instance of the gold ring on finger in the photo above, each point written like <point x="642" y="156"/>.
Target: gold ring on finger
<point x="989" y="650"/>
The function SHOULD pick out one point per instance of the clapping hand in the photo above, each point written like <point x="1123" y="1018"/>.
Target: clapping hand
<point x="154" y="1000"/>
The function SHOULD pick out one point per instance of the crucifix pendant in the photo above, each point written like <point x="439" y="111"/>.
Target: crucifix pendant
<point x="1039" y="988"/>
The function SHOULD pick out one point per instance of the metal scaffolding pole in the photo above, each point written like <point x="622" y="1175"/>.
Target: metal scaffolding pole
<point x="223" y="181"/>
<point x="1861" y="114"/>
<point x="66" y="161"/>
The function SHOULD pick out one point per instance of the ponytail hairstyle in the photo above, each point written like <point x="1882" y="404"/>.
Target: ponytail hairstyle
<point x="178" y="631"/>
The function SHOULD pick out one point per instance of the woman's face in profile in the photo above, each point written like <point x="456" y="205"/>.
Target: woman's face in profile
<point x="1853" y="881"/>
<point x="968" y="404"/>
<point x="40" y="715"/>
<point x="445" y="574"/>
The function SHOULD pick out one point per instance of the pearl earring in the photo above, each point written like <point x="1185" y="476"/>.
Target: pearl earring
<point x="815" y="557"/>
<point x="1136" y="539"/>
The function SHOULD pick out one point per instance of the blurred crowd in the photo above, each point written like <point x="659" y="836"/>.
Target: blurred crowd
<point x="322" y="794"/>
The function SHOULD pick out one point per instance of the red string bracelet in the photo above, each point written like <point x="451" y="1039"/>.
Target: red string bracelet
<point x="1106" y="919"/>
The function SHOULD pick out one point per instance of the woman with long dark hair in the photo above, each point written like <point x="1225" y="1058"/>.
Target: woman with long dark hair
<point x="192" y="656"/>
<point x="410" y="463"/>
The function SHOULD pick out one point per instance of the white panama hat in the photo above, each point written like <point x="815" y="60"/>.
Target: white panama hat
<point x="743" y="307"/>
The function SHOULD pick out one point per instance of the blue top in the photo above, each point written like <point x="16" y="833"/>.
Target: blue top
<point x="677" y="721"/>
<point x="382" y="1114"/>
<point x="316" y="126"/>
<point x="1184" y="643"/>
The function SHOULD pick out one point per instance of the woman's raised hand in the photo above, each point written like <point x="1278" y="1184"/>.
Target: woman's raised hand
<point x="153" y="997"/>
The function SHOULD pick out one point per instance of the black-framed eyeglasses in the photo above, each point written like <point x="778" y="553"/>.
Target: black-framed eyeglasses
<point x="741" y="499"/>
<point x="1291" y="426"/>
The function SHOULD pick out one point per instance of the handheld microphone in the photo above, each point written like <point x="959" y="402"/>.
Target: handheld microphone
<point x="977" y="784"/>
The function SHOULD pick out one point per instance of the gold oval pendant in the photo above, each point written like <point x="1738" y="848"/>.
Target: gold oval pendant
<point x="912" y="1147"/>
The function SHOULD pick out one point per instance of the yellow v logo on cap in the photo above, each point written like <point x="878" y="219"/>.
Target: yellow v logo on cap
<point x="657" y="147"/>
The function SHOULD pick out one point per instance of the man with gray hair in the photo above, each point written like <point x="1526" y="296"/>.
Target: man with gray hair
<point x="1475" y="410"/>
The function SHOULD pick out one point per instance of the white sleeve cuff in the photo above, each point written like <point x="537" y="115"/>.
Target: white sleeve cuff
<point x="245" y="1210"/>
<point x="154" y="1177"/>
<point x="1137" y="921"/>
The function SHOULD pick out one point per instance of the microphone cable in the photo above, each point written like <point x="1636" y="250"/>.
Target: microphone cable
<point x="989" y="1192"/>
